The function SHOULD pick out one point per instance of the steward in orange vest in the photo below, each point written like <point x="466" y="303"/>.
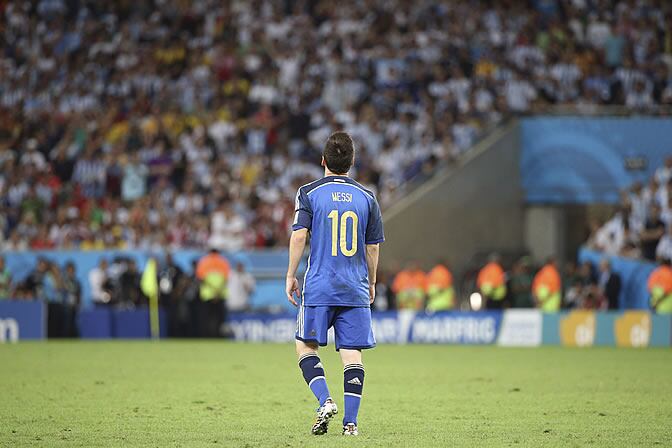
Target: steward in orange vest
<point x="491" y="281"/>
<point x="409" y="286"/>
<point x="547" y="288"/>
<point x="440" y="291"/>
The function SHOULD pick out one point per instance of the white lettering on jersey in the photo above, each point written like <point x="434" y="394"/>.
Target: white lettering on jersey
<point x="338" y="196"/>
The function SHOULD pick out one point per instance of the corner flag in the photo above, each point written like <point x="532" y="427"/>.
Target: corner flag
<point x="149" y="285"/>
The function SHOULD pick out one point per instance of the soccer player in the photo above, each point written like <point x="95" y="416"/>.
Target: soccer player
<point x="346" y="227"/>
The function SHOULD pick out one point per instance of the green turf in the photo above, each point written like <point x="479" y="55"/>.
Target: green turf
<point x="221" y="394"/>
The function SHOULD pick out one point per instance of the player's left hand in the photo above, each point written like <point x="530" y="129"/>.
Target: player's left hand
<point x="372" y="293"/>
<point x="291" y="288"/>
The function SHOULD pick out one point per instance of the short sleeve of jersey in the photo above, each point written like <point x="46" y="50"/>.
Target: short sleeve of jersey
<point x="374" y="228"/>
<point x="303" y="212"/>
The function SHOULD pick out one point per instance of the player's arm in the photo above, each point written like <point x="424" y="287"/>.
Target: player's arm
<point x="372" y="252"/>
<point x="374" y="236"/>
<point x="303" y="217"/>
<point x="297" y="244"/>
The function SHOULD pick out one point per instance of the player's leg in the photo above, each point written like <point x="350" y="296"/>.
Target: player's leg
<point x="353" y="331"/>
<point x="313" y="372"/>
<point x="353" y="385"/>
<point x="311" y="332"/>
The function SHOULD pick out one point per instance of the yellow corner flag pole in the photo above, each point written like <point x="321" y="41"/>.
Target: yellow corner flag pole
<point x="150" y="287"/>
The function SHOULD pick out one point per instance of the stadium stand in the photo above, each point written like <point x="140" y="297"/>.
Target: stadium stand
<point x="641" y="226"/>
<point x="170" y="124"/>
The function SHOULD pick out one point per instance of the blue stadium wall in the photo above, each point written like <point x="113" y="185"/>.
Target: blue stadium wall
<point x="268" y="266"/>
<point x="579" y="160"/>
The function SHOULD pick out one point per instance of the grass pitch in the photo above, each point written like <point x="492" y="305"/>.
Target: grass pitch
<point x="212" y="393"/>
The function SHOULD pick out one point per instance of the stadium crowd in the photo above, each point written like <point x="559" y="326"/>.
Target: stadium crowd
<point x="168" y="124"/>
<point x="197" y="301"/>
<point x="642" y="225"/>
<point x="116" y="281"/>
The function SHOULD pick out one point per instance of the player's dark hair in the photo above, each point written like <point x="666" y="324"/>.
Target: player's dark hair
<point x="339" y="152"/>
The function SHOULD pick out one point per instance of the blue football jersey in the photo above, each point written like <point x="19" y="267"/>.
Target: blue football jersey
<point x="342" y="217"/>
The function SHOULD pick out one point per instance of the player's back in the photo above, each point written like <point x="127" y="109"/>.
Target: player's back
<point x="344" y="217"/>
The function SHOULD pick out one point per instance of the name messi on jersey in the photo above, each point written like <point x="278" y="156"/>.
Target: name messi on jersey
<point x="338" y="196"/>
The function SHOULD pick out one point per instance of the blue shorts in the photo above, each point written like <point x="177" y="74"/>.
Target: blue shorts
<point x="352" y="326"/>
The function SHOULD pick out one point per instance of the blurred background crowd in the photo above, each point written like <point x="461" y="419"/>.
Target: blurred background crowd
<point x="171" y="124"/>
<point x="641" y="227"/>
<point x="197" y="301"/>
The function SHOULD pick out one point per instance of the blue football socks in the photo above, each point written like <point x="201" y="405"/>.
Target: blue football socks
<point x="353" y="383"/>
<point x="313" y="373"/>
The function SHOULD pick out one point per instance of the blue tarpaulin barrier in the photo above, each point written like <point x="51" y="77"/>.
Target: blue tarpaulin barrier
<point x="634" y="276"/>
<point x="268" y="266"/>
<point x="107" y="323"/>
<point x="20" y="320"/>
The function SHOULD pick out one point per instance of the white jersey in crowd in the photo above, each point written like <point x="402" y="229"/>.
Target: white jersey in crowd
<point x="241" y="285"/>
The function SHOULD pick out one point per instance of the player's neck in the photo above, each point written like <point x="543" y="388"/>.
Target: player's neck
<point x="328" y="173"/>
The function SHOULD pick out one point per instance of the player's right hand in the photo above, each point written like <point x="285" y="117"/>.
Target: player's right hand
<point x="291" y="288"/>
<point x="372" y="294"/>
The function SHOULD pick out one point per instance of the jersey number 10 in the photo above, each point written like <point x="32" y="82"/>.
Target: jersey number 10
<point x="342" y="241"/>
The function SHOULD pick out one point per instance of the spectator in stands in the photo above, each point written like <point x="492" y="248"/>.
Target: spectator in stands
<point x="666" y="213"/>
<point x="99" y="284"/>
<point x="520" y="284"/>
<point x="491" y="282"/>
<point x="134" y="180"/>
<point x="227" y="228"/>
<point x="649" y="192"/>
<point x="664" y="247"/>
<point x="629" y="247"/>
<point x="597" y="235"/>
<point x="241" y="286"/>
<point x="614" y="46"/>
<point x="90" y="173"/>
<point x="663" y="195"/>
<point x="663" y="174"/>
<point x="547" y="287"/>
<point x="6" y="287"/>
<point x="610" y="238"/>
<point x="639" y="205"/>
<point x="654" y="229"/>
<point x="609" y="285"/>
<point x="638" y="229"/>
<point x="519" y="93"/>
